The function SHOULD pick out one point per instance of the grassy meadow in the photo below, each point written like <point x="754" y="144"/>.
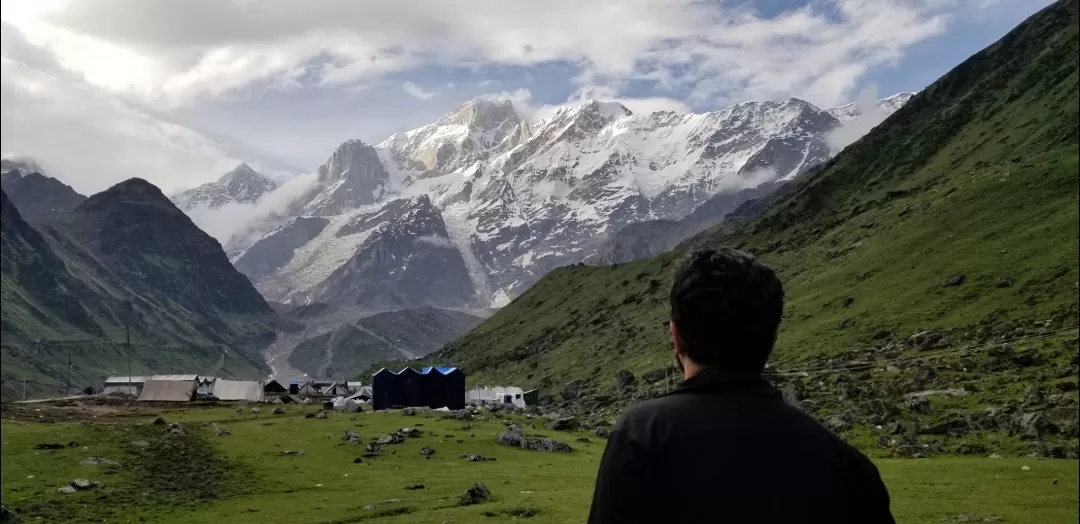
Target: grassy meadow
<point x="246" y="477"/>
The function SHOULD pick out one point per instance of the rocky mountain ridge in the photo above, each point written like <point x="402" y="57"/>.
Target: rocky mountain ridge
<point x="505" y="200"/>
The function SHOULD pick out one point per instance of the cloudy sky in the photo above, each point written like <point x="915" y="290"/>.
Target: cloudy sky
<point x="178" y="92"/>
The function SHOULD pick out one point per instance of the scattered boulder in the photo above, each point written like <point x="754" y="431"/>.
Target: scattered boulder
<point x="176" y="429"/>
<point x="920" y="405"/>
<point x="583" y="439"/>
<point x="309" y="415"/>
<point x="624" y="380"/>
<point x="221" y="432"/>
<point x="656" y="375"/>
<point x="48" y="445"/>
<point x="953" y="280"/>
<point x="1004" y="282"/>
<point x="410" y="432"/>
<point x="357" y="460"/>
<point x="794" y="391"/>
<point x="79" y="485"/>
<point x="925" y="374"/>
<point x="839" y="423"/>
<point x="279" y="411"/>
<point x="414" y="487"/>
<point x="350" y="436"/>
<point x="255" y="411"/>
<point x="459" y="414"/>
<point x="390" y="438"/>
<point x="563" y="424"/>
<point x="1034" y="425"/>
<point x="372" y="447"/>
<point x="93" y="461"/>
<point x="972" y="517"/>
<point x="294" y="452"/>
<point x="477" y="494"/>
<point x="321" y="415"/>
<point x="926" y="339"/>
<point x="159" y="421"/>
<point x="66" y="490"/>
<point x="847" y="301"/>
<point x="140" y="443"/>
<point x="473" y="457"/>
<point x="408" y="412"/>
<point x="954" y="426"/>
<point x="514" y="436"/>
<point x="602" y="431"/>
<point x="427" y="451"/>
<point x="574" y="389"/>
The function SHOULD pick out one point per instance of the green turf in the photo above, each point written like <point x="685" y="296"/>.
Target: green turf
<point x="253" y="482"/>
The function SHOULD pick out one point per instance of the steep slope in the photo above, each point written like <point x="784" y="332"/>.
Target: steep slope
<point x="36" y="194"/>
<point x="124" y="256"/>
<point x="242" y="185"/>
<point x="848" y="112"/>
<point x="404" y="334"/>
<point x="940" y="251"/>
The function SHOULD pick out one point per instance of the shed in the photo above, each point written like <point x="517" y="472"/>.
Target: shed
<point x="238" y="390"/>
<point x="124" y="385"/>
<point x="168" y="391"/>
<point x="497" y="395"/>
<point x="531" y="397"/>
<point x="397" y="388"/>
<point x="443" y="387"/>
<point x="307" y="389"/>
<point x="364" y="393"/>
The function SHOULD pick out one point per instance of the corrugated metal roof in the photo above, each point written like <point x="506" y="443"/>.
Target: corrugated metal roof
<point x="442" y="370"/>
<point x="176" y="378"/>
<point x="126" y="380"/>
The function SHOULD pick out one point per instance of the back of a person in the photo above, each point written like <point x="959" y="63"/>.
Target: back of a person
<point x="754" y="458"/>
<point x="724" y="446"/>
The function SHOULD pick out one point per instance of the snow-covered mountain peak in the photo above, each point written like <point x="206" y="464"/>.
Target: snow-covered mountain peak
<point x="888" y="105"/>
<point x="241" y="185"/>
<point x="353" y="176"/>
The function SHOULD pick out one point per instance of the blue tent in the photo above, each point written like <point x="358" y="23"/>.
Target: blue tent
<point x="443" y="387"/>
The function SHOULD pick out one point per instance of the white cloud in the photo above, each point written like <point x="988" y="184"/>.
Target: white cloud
<point x="435" y="241"/>
<point x="872" y="115"/>
<point x="416" y="91"/>
<point x="239" y="224"/>
<point x="718" y="51"/>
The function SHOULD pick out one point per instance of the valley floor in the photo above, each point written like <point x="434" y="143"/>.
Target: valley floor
<point x="245" y="476"/>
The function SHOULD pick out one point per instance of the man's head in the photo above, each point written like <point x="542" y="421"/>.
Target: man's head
<point x="725" y="311"/>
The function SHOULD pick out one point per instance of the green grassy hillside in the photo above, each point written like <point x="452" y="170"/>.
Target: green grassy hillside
<point x="957" y="215"/>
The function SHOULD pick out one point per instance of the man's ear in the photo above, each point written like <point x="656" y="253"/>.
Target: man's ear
<point x="675" y="337"/>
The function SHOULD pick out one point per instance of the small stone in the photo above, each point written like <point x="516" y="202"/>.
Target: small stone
<point x="350" y="436"/>
<point x="414" y="487"/>
<point x="408" y="412"/>
<point x="1055" y="481"/>
<point x="1025" y="468"/>
<point x="279" y="411"/>
<point x="427" y="452"/>
<point x="159" y="421"/>
<point x="357" y="460"/>
<point x="994" y="456"/>
<point x="369" y="507"/>
<point x="140" y="443"/>
<point x="48" y="446"/>
<point x="255" y="411"/>
<point x="477" y="494"/>
<point x="221" y="432"/>
<point x="321" y="415"/>
<point x="296" y="452"/>
<point x="66" y="490"/>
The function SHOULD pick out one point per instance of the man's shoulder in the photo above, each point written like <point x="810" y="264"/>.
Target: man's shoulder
<point x="649" y="413"/>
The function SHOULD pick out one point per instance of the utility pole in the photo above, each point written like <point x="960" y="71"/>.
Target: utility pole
<point x="67" y="391"/>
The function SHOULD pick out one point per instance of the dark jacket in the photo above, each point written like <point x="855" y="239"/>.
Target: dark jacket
<point x="723" y="449"/>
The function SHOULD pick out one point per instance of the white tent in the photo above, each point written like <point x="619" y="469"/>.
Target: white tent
<point x="238" y="390"/>
<point x="346" y="404"/>
<point x="168" y="391"/>
<point x="496" y="395"/>
<point x="176" y="378"/>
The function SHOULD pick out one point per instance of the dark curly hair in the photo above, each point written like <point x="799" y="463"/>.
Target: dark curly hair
<point x="727" y="307"/>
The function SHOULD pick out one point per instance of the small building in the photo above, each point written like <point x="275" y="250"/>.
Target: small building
<point x="531" y="397"/>
<point x="363" y="393"/>
<point x="485" y="395"/>
<point x="334" y="390"/>
<point x="443" y="387"/>
<point x="176" y="378"/>
<point x="397" y="389"/>
<point x="124" y="385"/>
<point x="353" y="386"/>
<point x="168" y="391"/>
<point x="248" y="390"/>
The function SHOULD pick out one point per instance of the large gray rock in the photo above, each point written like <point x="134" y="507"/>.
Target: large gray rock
<point x="574" y="389"/>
